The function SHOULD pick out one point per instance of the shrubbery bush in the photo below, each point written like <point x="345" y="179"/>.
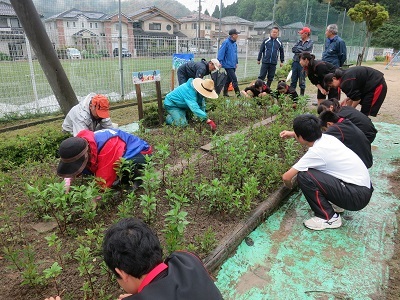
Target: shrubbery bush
<point x="35" y="147"/>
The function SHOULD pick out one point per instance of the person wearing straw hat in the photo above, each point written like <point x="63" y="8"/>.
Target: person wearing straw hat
<point x="93" y="113"/>
<point x="189" y="96"/>
<point x="197" y="69"/>
<point x="98" y="153"/>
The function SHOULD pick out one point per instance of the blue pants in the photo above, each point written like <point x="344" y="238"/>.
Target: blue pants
<point x="298" y="74"/>
<point x="269" y="71"/>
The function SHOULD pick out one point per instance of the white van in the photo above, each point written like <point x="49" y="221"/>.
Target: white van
<point x="73" y="53"/>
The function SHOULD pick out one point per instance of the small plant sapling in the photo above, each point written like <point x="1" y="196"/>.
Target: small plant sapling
<point x="53" y="273"/>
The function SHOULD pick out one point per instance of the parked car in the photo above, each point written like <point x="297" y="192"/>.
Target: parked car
<point x="196" y="50"/>
<point x="73" y="53"/>
<point x="124" y="51"/>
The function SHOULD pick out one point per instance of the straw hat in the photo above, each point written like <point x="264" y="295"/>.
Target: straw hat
<point x="205" y="87"/>
<point x="216" y="63"/>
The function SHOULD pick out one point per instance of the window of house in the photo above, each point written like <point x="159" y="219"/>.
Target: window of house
<point x="155" y="26"/>
<point x="3" y="22"/>
<point x="91" y="25"/>
<point x="242" y="28"/>
<point x="15" y="23"/>
<point x="83" y="25"/>
<point x="194" y="25"/>
<point x="116" y="26"/>
<point x="95" y="25"/>
<point x="168" y="27"/>
<point x="73" y="24"/>
<point x="208" y="26"/>
<point x="67" y="24"/>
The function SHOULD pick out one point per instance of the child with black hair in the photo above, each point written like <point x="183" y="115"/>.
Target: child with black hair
<point x="284" y="89"/>
<point x="355" y="116"/>
<point x="258" y="89"/>
<point x="328" y="172"/>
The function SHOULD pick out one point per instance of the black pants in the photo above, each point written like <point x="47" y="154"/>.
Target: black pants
<point x="319" y="188"/>
<point x="231" y="72"/>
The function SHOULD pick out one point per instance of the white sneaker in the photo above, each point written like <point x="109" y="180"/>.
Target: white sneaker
<point x="316" y="223"/>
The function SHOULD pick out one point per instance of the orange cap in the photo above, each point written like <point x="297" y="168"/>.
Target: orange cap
<point x="101" y="105"/>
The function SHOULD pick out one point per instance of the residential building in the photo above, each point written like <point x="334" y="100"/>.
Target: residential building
<point x="12" y="37"/>
<point x="263" y="29"/>
<point x="154" y="30"/>
<point x="290" y="32"/>
<point x="245" y="27"/>
<point x="88" y="30"/>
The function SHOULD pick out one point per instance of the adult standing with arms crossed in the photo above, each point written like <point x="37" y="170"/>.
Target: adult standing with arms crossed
<point x="269" y="50"/>
<point x="335" y="51"/>
<point x="227" y="56"/>
<point x="305" y="44"/>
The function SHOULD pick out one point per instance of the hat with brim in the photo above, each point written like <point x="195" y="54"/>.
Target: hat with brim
<point x="73" y="157"/>
<point x="216" y="63"/>
<point x="305" y="30"/>
<point x="205" y="87"/>
<point x="102" y="106"/>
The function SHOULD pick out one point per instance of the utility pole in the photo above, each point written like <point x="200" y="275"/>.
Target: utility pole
<point x="273" y="12"/>
<point x="121" y="66"/>
<point x="327" y="14"/>
<point x="305" y="20"/>
<point x="219" y="26"/>
<point x="198" y="27"/>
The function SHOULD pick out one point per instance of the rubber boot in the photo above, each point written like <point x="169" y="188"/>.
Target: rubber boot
<point x="226" y="91"/>
<point x="302" y="92"/>
<point x="237" y="92"/>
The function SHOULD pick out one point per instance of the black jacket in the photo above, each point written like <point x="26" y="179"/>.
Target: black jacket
<point x="360" y="120"/>
<point x="317" y="70"/>
<point x="352" y="137"/>
<point x="185" y="279"/>
<point x="269" y="50"/>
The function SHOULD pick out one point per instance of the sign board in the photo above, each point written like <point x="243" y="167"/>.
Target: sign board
<point x="179" y="59"/>
<point x="146" y="76"/>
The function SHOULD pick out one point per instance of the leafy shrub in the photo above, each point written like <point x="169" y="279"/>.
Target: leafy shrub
<point x="19" y="150"/>
<point x="4" y="56"/>
<point x="379" y="58"/>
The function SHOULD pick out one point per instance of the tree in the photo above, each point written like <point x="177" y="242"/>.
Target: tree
<point x="206" y="12"/>
<point x="215" y="14"/>
<point x="374" y="16"/>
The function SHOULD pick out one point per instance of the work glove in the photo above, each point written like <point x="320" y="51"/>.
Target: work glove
<point x="67" y="184"/>
<point x="212" y="125"/>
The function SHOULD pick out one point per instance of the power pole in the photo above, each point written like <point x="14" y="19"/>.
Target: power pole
<point x="198" y="27"/>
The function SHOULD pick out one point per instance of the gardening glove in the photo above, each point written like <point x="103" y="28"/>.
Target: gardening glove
<point x="67" y="184"/>
<point x="212" y="125"/>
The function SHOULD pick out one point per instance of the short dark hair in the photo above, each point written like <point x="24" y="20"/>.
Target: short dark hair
<point x="130" y="245"/>
<point x="328" y="78"/>
<point x="282" y="85"/>
<point x="258" y="83"/>
<point x="328" y="116"/>
<point x="308" y="127"/>
<point x="275" y="27"/>
<point x="328" y="103"/>
<point x="307" y="55"/>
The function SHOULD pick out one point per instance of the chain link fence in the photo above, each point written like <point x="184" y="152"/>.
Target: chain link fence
<point x="92" y="65"/>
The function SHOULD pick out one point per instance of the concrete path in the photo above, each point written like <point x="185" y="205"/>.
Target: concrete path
<point x="282" y="259"/>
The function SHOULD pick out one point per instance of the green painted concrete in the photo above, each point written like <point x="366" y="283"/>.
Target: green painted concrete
<point x="288" y="261"/>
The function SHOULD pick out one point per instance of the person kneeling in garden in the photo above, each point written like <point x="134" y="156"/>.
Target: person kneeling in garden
<point x="189" y="96"/>
<point x="98" y="153"/>
<point x="328" y="172"/>
<point x="134" y="254"/>
<point x="258" y="89"/>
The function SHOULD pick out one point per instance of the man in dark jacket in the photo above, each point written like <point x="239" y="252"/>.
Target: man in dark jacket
<point x="227" y="56"/>
<point x="305" y="44"/>
<point x="335" y="48"/>
<point x="269" y="50"/>
<point x="197" y="69"/>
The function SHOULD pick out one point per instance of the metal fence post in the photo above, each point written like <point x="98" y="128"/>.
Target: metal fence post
<point x="32" y="71"/>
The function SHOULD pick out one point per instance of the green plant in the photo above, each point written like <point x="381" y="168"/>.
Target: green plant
<point x="86" y="268"/>
<point x="127" y="207"/>
<point x="379" y="58"/>
<point x="207" y="241"/>
<point x="24" y="261"/>
<point x="176" y="222"/>
<point x="53" y="273"/>
<point x="151" y="184"/>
